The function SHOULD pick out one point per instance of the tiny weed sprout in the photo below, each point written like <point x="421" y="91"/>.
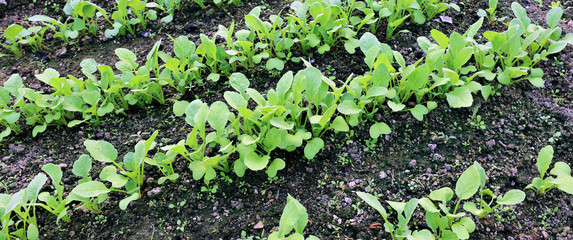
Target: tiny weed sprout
<point x="491" y="11"/>
<point x="561" y="170"/>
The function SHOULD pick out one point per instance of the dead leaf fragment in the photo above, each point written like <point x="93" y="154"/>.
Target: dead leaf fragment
<point x="446" y="19"/>
<point x="259" y="225"/>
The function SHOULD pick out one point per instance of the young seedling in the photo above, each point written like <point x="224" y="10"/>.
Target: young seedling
<point x="562" y="172"/>
<point x="294" y="217"/>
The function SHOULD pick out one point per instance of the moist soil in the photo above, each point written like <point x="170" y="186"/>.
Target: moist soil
<point x="416" y="158"/>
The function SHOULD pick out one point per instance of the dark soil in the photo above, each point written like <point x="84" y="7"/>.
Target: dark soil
<point x="416" y="158"/>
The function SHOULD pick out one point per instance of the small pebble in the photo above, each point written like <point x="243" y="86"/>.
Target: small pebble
<point x="413" y="163"/>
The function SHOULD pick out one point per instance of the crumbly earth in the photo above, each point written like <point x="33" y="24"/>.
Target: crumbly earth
<point x="416" y="158"/>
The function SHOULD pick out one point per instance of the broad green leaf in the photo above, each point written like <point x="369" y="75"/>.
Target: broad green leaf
<point x="235" y="100"/>
<point x="349" y="107"/>
<point x="443" y="194"/>
<point x="34" y="187"/>
<point x="294" y="216"/>
<point x="313" y="147"/>
<point x="339" y="124"/>
<point x="275" y="166"/>
<point x="255" y="162"/>
<point x="54" y="171"/>
<point x="313" y="82"/>
<point x="239" y="82"/>
<point x="395" y="106"/>
<point x="125" y="202"/>
<point x="419" y="111"/>
<point x="553" y="17"/>
<point x="5" y="133"/>
<point x="440" y="38"/>
<point x="281" y="123"/>
<point x="106" y="172"/>
<point x="367" y="41"/>
<point x="48" y="74"/>
<point x="378" y="129"/>
<point x="373" y="202"/>
<point x="32" y="233"/>
<point x="284" y="84"/>
<point x="12" y="31"/>
<point x="520" y="13"/>
<point x="468" y="183"/>
<point x="511" y="197"/>
<point x="460" y="97"/>
<point x="179" y="108"/>
<point x="38" y="129"/>
<point x="90" y="189"/>
<point x="82" y="166"/>
<point x="127" y="56"/>
<point x="13" y="84"/>
<point x="544" y="158"/>
<point x="275" y="63"/>
<point x="460" y="230"/>
<point x="561" y="169"/>
<point x="132" y="161"/>
<point x="101" y="150"/>
<point x="218" y="115"/>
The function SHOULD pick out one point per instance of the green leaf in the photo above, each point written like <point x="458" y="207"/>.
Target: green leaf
<point x="339" y="124"/>
<point x="419" y="111"/>
<point x="106" y="172"/>
<point x="367" y="41"/>
<point x="349" y="107"/>
<point x="468" y="183"/>
<point x="127" y="56"/>
<point x="373" y="202"/>
<point x="106" y="108"/>
<point x="460" y="230"/>
<point x="276" y="165"/>
<point x="443" y="195"/>
<point x="12" y="31"/>
<point x="90" y="189"/>
<point x="313" y="147"/>
<point x="255" y="162"/>
<point x="281" y="123"/>
<point x="294" y="216"/>
<point x="395" y="106"/>
<point x="13" y="84"/>
<point x="275" y="63"/>
<point x="521" y="14"/>
<point x="32" y="232"/>
<point x="38" y="129"/>
<point x="378" y="129"/>
<point x="544" y="159"/>
<point x="460" y="97"/>
<point x="440" y="38"/>
<point x="82" y="166"/>
<point x="5" y="133"/>
<point x="284" y="84"/>
<point x="239" y="82"/>
<point x="561" y="169"/>
<point x="179" y="108"/>
<point x="218" y="116"/>
<point x="235" y="100"/>
<point x="512" y="197"/>
<point x="54" y="171"/>
<point x="101" y="150"/>
<point x="553" y="17"/>
<point x="125" y="202"/>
